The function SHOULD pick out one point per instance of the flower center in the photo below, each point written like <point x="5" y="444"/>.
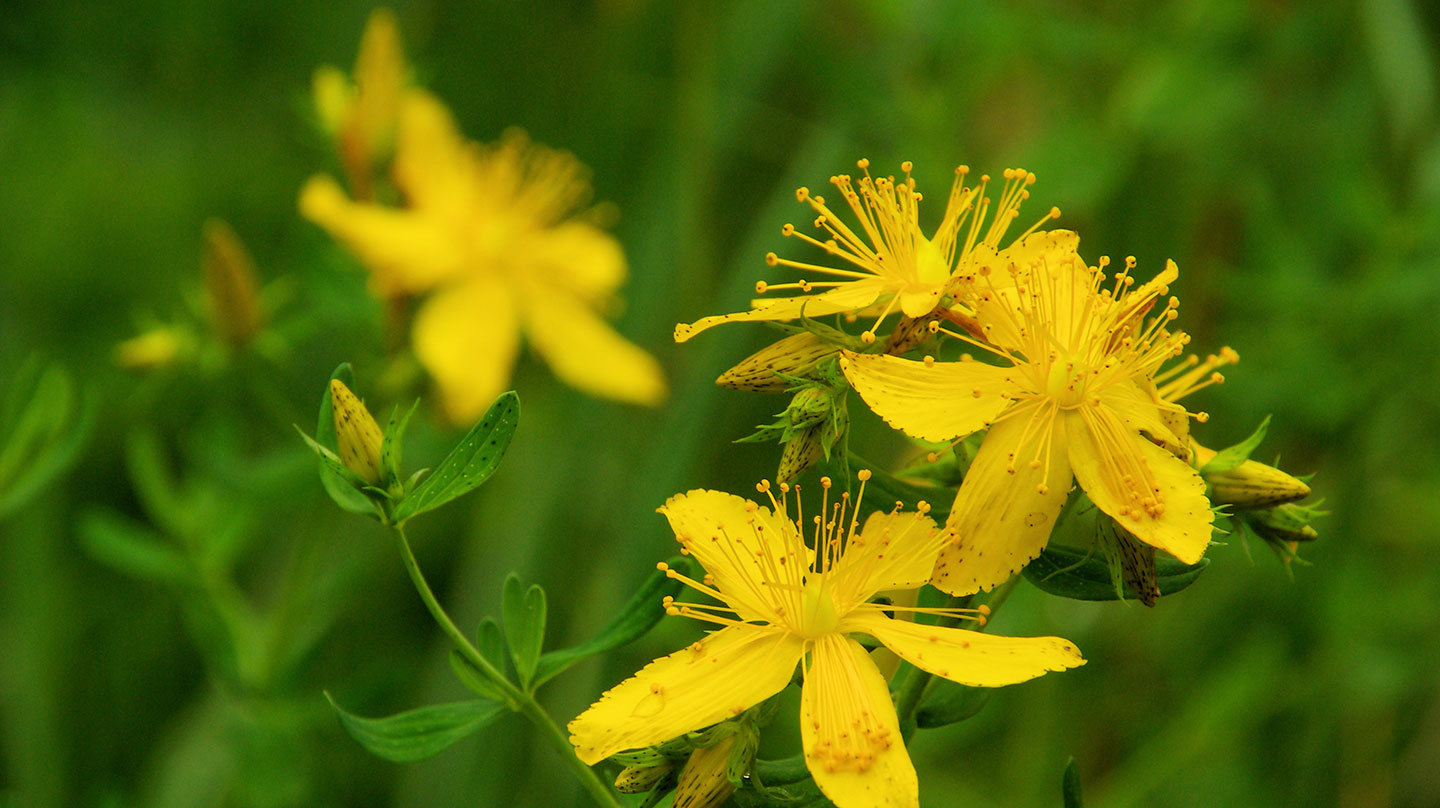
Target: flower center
<point x="1065" y="382"/>
<point x="818" y="615"/>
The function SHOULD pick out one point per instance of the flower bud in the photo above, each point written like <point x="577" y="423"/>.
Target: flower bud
<point x="703" y="781"/>
<point x="156" y="348"/>
<point x="358" y="435"/>
<point x="764" y="370"/>
<point x="1251" y="484"/>
<point x="230" y="281"/>
<point x="1287" y="523"/>
<point x="640" y="779"/>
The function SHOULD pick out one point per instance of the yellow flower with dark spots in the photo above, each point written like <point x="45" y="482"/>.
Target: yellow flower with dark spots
<point x="782" y="603"/>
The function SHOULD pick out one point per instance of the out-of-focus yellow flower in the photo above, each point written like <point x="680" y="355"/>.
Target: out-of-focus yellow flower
<point x="1069" y="402"/>
<point x="783" y="602"/>
<point x="892" y="263"/>
<point x="230" y="282"/>
<point x="361" y="114"/>
<point x="157" y="348"/>
<point x="490" y="236"/>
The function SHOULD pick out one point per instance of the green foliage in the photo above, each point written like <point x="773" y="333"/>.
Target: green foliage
<point x="1070" y="786"/>
<point x="1074" y="574"/>
<point x="1230" y="458"/>
<point x="342" y="484"/>
<point x="635" y="619"/>
<point x="469" y="464"/>
<point x="418" y="734"/>
<point x="44" y="422"/>
<point x="523" y="613"/>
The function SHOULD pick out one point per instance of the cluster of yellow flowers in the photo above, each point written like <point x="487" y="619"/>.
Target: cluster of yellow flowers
<point x="1072" y="371"/>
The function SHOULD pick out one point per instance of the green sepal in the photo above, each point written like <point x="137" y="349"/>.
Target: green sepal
<point x="418" y="734"/>
<point x="834" y="336"/>
<point x="523" y="613"/>
<point x="1070" y="786"/>
<point x="950" y="703"/>
<point x="132" y="548"/>
<point x="636" y="618"/>
<point x="390" y="445"/>
<point x="473" y="678"/>
<point x="469" y="464"/>
<point x="340" y="483"/>
<point x="1231" y="458"/>
<point x="1087" y="576"/>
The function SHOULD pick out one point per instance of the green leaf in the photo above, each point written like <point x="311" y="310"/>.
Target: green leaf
<point x="490" y="642"/>
<point x="1070" y="786"/>
<point x="524" y="617"/>
<point x="1086" y="576"/>
<point x="45" y="425"/>
<point x="470" y="463"/>
<point x="340" y="489"/>
<point x="131" y="548"/>
<point x="418" y="734"/>
<point x="1231" y="458"/>
<point x="473" y="678"/>
<point x="950" y="703"/>
<point x="394" y="437"/>
<point x="636" y="617"/>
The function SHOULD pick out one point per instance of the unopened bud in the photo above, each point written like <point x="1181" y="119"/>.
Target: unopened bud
<point x="803" y="450"/>
<point x="157" y="348"/>
<point x="1287" y="523"/>
<point x="703" y="781"/>
<point x="761" y="372"/>
<point x="1251" y="484"/>
<point x="640" y="779"/>
<point x="230" y="281"/>
<point x="358" y="435"/>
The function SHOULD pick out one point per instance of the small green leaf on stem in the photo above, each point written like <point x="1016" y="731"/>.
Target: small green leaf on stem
<point x="1231" y="458"/>
<point x="1070" y="786"/>
<point x="418" y="734"/>
<point x="470" y="463"/>
<point x="636" y="618"/>
<point x="1086" y="576"/>
<point x="524" y="619"/>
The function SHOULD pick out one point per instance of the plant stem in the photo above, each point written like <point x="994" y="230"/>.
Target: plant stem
<point x="907" y="698"/>
<point x="520" y="701"/>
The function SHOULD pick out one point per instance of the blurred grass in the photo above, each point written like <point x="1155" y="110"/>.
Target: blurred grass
<point x="1284" y="154"/>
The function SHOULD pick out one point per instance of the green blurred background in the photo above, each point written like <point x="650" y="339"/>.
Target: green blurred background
<point x="1285" y="154"/>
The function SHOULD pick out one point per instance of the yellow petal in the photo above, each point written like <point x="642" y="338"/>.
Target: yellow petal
<point x="1001" y="519"/>
<point x="968" y="657"/>
<point x="850" y="297"/>
<point x="711" y="680"/>
<point x="919" y="302"/>
<point x="404" y="250"/>
<point x="433" y="164"/>
<point x="1149" y="491"/>
<point x="587" y="354"/>
<point x="466" y="337"/>
<point x="849" y="730"/>
<point x="1139" y="412"/>
<point x="1047" y="256"/>
<point x="931" y="402"/>
<point x="379" y="80"/>
<point x="742" y="546"/>
<point x="892" y="551"/>
<point x="581" y="258"/>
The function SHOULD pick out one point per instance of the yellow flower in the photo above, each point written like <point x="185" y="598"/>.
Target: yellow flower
<point x="1072" y="401"/>
<point x="488" y="232"/>
<point x="786" y="603"/>
<point x="361" y="115"/>
<point x="892" y="262"/>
